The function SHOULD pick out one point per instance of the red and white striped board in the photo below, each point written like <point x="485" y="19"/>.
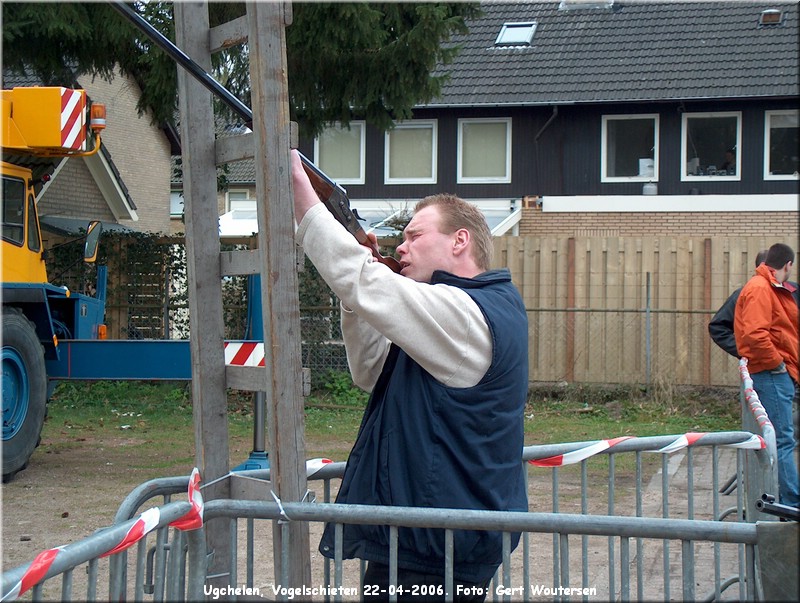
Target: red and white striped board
<point x="73" y="119"/>
<point x="244" y="353"/>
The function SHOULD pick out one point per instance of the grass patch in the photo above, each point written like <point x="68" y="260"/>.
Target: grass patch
<point x="121" y="405"/>
<point x="154" y="419"/>
<point x="580" y="412"/>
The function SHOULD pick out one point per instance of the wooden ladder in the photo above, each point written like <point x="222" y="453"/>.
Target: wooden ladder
<point x="275" y="259"/>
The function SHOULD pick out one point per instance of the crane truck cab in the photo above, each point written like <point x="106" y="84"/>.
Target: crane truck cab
<point x="37" y="122"/>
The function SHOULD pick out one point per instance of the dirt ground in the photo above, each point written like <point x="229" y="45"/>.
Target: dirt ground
<point x="69" y="491"/>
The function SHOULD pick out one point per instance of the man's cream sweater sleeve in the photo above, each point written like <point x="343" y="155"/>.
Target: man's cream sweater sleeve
<point x="439" y="326"/>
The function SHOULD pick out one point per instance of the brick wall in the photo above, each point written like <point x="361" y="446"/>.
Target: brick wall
<point x="783" y="225"/>
<point x="74" y="194"/>
<point x="139" y="149"/>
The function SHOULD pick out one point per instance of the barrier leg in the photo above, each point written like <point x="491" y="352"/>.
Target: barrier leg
<point x="198" y="564"/>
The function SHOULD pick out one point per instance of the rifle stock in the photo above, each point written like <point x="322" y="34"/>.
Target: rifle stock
<point x="334" y="197"/>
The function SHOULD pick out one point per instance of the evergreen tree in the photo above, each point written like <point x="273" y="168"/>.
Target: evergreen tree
<point x="346" y="61"/>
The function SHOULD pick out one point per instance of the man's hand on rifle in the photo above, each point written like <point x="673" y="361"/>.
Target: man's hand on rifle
<point x="304" y="195"/>
<point x="311" y="186"/>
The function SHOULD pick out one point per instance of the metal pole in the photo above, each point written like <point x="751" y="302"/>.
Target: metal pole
<point x="259" y="429"/>
<point x="166" y="302"/>
<point x="647" y="327"/>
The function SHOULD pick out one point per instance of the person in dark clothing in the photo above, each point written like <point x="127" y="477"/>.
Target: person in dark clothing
<point x="443" y="349"/>
<point x="721" y="326"/>
<point x="729" y="165"/>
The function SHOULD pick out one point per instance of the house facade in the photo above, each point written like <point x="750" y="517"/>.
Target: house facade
<point x="601" y="118"/>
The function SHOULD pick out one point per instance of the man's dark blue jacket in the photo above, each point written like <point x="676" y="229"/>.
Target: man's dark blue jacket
<point x="721" y="326"/>
<point x="423" y="444"/>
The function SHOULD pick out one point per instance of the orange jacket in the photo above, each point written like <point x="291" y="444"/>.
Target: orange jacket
<point x="766" y="324"/>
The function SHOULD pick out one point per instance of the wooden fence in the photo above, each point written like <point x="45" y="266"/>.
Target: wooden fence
<point x="627" y="310"/>
<point x="600" y="310"/>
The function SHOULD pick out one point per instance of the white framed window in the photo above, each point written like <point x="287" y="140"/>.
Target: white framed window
<point x="484" y="150"/>
<point x="781" y="145"/>
<point x="410" y="153"/>
<point x="629" y="148"/>
<point x="175" y="204"/>
<point x="711" y="146"/>
<point x="340" y="152"/>
<point x="239" y="199"/>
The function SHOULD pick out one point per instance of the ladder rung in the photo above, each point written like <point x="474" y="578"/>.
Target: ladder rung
<point x="234" y="148"/>
<point x="228" y="34"/>
<point x="246" y="378"/>
<point x="233" y="263"/>
<point x="238" y="148"/>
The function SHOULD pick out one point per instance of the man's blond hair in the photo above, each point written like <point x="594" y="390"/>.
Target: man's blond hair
<point x="457" y="213"/>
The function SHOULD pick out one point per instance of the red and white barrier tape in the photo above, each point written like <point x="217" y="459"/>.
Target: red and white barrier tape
<point x="194" y="518"/>
<point x="576" y="456"/>
<point x="751" y="397"/>
<point x="145" y="524"/>
<point x="149" y="519"/>
<point x="34" y="575"/>
<point x="684" y="441"/>
<point x="754" y="442"/>
<point x="314" y="465"/>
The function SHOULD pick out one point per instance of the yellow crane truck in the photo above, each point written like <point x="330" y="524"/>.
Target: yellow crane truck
<point x="38" y="123"/>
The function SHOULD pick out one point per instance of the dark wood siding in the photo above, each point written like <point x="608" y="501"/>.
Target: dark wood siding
<point x="560" y="155"/>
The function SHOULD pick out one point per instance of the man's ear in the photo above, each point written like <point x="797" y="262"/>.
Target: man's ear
<point x="461" y="242"/>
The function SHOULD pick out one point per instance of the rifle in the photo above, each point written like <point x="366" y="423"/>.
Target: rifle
<point x="767" y="504"/>
<point x="334" y="197"/>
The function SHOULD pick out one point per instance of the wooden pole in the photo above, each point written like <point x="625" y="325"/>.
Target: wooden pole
<point x="279" y="296"/>
<point x="209" y="392"/>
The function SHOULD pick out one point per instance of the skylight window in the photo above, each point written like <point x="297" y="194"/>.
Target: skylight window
<point x="770" y="17"/>
<point x="574" y="4"/>
<point x="516" y="34"/>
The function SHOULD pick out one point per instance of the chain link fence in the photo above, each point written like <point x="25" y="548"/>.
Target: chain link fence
<point x="659" y="348"/>
<point x="652" y="348"/>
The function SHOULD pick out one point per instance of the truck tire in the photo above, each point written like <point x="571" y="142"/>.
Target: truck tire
<point x="24" y="391"/>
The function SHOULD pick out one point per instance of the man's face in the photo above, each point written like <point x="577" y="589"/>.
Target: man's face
<point x="425" y="249"/>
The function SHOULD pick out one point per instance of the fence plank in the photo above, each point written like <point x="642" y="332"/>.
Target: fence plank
<point x="614" y="322"/>
<point x="686" y="355"/>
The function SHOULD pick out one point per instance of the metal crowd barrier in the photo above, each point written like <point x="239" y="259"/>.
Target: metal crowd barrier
<point x="626" y="527"/>
<point x="91" y="552"/>
<point x="506" y="585"/>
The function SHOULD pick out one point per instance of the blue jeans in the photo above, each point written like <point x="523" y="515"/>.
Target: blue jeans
<point x="776" y="392"/>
